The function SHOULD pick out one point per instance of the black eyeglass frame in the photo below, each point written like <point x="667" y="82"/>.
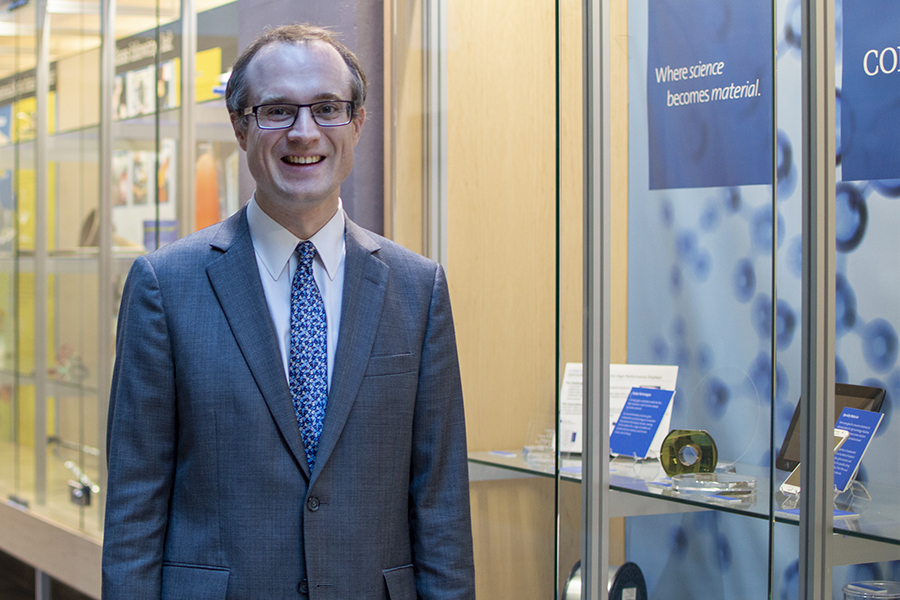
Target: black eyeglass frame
<point x="254" y="110"/>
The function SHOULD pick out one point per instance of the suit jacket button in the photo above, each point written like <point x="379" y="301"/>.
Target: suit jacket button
<point x="313" y="504"/>
<point x="303" y="587"/>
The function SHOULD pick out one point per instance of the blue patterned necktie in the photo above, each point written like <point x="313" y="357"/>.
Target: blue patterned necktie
<point x="308" y="368"/>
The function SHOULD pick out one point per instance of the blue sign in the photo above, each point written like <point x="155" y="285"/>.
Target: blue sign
<point x="870" y="91"/>
<point x="862" y="425"/>
<point x="709" y="93"/>
<point x="639" y="420"/>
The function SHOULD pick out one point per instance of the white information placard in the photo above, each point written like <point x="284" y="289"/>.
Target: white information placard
<point x="621" y="379"/>
<point x="570" y="418"/>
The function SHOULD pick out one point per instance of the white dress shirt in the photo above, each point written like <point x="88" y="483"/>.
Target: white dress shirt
<point x="274" y="246"/>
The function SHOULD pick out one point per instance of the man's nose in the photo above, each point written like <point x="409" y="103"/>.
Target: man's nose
<point x="304" y="125"/>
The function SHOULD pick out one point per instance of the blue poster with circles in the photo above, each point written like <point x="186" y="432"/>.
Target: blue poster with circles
<point x="709" y="93"/>
<point x="869" y="96"/>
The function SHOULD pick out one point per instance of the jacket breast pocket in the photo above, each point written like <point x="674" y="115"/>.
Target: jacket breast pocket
<point x="391" y="364"/>
<point x="401" y="583"/>
<point x="193" y="582"/>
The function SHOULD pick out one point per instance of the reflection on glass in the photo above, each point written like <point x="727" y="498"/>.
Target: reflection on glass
<point x="51" y="393"/>
<point x="17" y="194"/>
<point x="67" y="389"/>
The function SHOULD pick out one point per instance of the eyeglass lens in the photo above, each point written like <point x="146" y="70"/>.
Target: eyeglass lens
<point x="327" y="114"/>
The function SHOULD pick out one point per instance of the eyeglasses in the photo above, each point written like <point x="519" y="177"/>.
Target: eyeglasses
<point x="330" y="113"/>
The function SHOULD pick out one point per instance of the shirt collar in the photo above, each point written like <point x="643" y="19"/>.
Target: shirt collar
<point x="275" y="245"/>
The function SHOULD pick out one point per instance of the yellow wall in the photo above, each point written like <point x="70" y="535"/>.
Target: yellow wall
<point x="25" y="392"/>
<point x="26" y="207"/>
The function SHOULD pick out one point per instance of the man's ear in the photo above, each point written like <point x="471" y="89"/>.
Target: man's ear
<point x="239" y="124"/>
<point x="357" y="124"/>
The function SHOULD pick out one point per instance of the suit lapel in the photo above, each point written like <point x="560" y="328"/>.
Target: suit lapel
<point x="365" y="278"/>
<point x="234" y="277"/>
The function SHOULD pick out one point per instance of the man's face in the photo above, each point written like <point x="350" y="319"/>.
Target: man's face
<point x="300" y="168"/>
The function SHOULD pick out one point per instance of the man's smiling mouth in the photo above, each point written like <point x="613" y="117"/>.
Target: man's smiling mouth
<point x="303" y="160"/>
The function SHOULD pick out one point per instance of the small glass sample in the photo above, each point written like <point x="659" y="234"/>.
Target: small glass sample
<point x="883" y="590"/>
<point x="713" y="483"/>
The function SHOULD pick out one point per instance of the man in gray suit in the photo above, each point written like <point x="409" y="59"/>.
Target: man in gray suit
<point x="286" y="418"/>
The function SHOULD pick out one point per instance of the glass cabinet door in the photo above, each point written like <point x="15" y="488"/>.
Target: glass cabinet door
<point x="501" y="256"/>
<point x="722" y="202"/>
<point x="570" y="294"/>
<point x="691" y="232"/>
<point x="66" y="259"/>
<point x="473" y="185"/>
<point x="866" y="277"/>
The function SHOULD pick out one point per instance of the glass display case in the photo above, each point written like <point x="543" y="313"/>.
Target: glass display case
<point x="739" y="245"/>
<point x="679" y="214"/>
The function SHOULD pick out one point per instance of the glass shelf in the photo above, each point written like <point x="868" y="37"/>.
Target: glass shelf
<point x="57" y="388"/>
<point x="76" y="261"/>
<point x="874" y="517"/>
<point x="645" y="479"/>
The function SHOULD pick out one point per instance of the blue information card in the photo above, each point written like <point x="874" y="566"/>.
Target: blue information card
<point x="639" y="420"/>
<point x="862" y="425"/>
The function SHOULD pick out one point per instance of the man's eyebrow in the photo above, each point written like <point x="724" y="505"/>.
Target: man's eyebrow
<point x="286" y="100"/>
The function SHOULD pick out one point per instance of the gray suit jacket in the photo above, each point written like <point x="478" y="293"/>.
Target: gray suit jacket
<point x="209" y="493"/>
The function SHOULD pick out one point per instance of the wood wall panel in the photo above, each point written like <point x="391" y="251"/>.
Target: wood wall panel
<point x="513" y="531"/>
<point x="501" y="172"/>
<point x="619" y="183"/>
<point x="571" y="181"/>
<point x="501" y="268"/>
<point x="404" y="208"/>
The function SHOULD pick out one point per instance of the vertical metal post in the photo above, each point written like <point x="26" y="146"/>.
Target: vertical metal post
<point x="43" y="585"/>
<point x="187" y="131"/>
<point x="435" y="76"/>
<point x="105" y="266"/>
<point x="595" y="468"/>
<point x="390" y="106"/>
<point x="41" y="244"/>
<point x="817" y="393"/>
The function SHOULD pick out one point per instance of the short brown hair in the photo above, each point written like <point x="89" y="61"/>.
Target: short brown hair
<point x="237" y="92"/>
